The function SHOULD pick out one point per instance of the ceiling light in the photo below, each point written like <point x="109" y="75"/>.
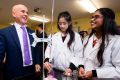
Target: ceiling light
<point x="38" y="18"/>
<point x="88" y="5"/>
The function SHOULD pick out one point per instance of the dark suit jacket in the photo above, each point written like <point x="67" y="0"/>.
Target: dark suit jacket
<point x="10" y="45"/>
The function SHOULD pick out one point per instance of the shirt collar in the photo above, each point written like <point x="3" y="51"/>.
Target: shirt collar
<point x="18" y="26"/>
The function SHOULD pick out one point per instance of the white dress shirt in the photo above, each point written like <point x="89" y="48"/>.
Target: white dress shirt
<point x="20" y="36"/>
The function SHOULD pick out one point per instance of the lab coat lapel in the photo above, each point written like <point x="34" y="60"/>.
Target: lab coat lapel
<point x="63" y="45"/>
<point x="89" y="49"/>
<point x="60" y="38"/>
<point x="67" y="38"/>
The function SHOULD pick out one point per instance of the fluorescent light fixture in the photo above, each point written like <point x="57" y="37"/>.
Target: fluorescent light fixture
<point x="88" y="5"/>
<point x="38" y="18"/>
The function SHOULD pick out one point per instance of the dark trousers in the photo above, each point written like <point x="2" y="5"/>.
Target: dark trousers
<point x="1" y="71"/>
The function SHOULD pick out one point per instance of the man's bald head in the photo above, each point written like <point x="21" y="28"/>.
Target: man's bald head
<point x="20" y="13"/>
<point x="16" y="7"/>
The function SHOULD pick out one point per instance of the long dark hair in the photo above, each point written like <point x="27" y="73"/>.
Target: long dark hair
<point x="109" y="27"/>
<point x="67" y="17"/>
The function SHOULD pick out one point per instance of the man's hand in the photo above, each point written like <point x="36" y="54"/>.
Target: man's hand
<point x="37" y="68"/>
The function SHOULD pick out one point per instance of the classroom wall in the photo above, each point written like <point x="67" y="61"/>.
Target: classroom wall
<point x="81" y="24"/>
<point x="118" y="18"/>
<point x="3" y="25"/>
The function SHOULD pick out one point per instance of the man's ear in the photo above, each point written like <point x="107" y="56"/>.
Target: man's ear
<point x="13" y="14"/>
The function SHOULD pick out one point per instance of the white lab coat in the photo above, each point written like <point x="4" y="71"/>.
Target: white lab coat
<point x="111" y="57"/>
<point x="59" y="53"/>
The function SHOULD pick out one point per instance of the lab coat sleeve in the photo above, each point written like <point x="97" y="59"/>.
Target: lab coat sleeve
<point x="49" y="50"/>
<point x="77" y="58"/>
<point x="113" y="71"/>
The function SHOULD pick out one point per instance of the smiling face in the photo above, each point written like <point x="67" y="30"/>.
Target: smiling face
<point x="97" y="21"/>
<point x="20" y="14"/>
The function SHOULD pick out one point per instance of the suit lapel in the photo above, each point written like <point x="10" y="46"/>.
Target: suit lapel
<point x="30" y="36"/>
<point x="16" y="39"/>
<point x="15" y="36"/>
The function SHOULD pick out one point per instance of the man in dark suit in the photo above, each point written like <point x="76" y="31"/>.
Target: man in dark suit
<point x="41" y="45"/>
<point x="22" y="59"/>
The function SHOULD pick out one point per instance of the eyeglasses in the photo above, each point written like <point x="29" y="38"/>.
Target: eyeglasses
<point x="96" y="17"/>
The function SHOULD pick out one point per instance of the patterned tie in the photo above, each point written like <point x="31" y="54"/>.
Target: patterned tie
<point x="25" y="47"/>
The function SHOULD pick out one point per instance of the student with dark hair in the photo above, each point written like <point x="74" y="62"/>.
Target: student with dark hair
<point x="66" y="50"/>
<point x="102" y="47"/>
